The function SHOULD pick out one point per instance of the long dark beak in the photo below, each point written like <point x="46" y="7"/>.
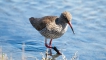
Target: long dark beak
<point x="71" y="27"/>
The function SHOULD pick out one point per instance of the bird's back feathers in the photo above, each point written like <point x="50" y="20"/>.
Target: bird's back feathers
<point x="40" y="23"/>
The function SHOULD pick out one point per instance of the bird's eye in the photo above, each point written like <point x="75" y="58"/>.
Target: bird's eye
<point x="66" y="19"/>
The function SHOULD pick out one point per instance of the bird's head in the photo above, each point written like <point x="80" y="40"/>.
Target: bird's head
<point x="67" y="17"/>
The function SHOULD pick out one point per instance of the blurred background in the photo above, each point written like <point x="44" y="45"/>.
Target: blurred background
<point x="89" y="23"/>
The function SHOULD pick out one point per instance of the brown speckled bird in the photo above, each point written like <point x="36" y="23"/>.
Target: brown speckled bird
<point x="52" y="27"/>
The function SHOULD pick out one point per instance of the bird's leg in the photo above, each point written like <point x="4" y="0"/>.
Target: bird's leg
<point x="47" y="44"/>
<point x="50" y="42"/>
<point x="50" y="46"/>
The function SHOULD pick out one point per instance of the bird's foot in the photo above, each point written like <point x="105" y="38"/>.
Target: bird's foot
<point x="58" y="52"/>
<point x="50" y="52"/>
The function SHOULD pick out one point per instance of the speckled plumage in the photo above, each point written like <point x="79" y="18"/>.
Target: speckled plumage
<point x="51" y="26"/>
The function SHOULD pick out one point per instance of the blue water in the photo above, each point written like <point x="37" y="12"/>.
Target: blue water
<point x="89" y="23"/>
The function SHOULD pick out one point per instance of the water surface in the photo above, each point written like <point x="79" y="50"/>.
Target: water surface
<point x="89" y="23"/>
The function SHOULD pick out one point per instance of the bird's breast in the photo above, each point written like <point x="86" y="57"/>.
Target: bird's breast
<point x="53" y="32"/>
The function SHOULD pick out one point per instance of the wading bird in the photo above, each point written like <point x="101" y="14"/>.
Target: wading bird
<point x="52" y="27"/>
